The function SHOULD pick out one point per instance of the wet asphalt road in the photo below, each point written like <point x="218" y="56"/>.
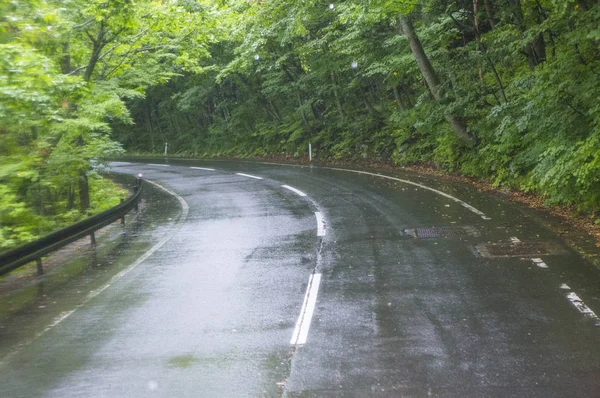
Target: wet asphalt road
<point x="398" y="311"/>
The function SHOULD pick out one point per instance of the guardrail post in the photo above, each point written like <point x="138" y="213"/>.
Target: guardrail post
<point x="136" y="188"/>
<point x="122" y="218"/>
<point x="40" y="268"/>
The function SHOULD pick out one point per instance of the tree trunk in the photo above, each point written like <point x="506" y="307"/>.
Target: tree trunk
<point x="65" y="60"/>
<point x="304" y="120"/>
<point x="535" y="51"/>
<point x="84" y="188"/>
<point x="84" y="192"/>
<point x="398" y="99"/>
<point x="96" y="49"/>
<point x="97" y="45"/>
<point x="489" y="10"/>
<point x="422" y="60"/>
<point x="458" y="126"/>
<point x="150" y="130"/>
<point x="70" y="198"/>
<point x="337" y="97"/>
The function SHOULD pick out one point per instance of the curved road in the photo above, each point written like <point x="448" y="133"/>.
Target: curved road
<point x="304" y="281"/>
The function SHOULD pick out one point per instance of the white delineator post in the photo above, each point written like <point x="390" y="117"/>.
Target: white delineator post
<point x="310" y="152"/>
<point x="166" y="147"/>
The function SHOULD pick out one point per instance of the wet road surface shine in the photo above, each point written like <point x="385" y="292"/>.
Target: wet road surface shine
<point x="212" y="312"/>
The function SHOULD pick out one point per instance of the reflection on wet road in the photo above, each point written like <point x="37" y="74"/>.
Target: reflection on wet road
<point x="305" y="281"/>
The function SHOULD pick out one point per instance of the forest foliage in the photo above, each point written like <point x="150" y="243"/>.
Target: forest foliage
<point x="502" y="90"/>
<point x="515" y="103"/>
<point x="68" y="69"/>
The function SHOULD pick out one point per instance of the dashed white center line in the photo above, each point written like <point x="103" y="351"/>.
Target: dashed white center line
<point x="539" y="262"/>
<point x="160" y="165"/>
<point x="514" y="239"/>
<point x="564" y="286"/>
<point x="294" y="190"/>
<point x="320" y="224"/>
<point x="306" y="312"/>
<point x="202" y="168"/>
<point x="249" y="176"/>
<point x="583" y="308"/>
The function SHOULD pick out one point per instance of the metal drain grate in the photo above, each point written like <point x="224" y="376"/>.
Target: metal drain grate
<point x="442" y="232"/>
<point x="520" y="249"/>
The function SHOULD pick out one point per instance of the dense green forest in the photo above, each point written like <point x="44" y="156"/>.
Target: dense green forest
<point x="503" y="90"/>
<point x="68" y="69"/>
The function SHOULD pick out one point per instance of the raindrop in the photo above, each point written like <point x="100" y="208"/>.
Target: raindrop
<point x="354" y="64"/>
<point x="331" y="6"/>
<point x="152" y="385"/>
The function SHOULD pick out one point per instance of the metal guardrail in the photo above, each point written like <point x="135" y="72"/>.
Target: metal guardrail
<point x="34" y="251"/>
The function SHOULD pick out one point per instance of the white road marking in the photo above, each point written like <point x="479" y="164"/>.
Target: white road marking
<point x="564" y="286"/>
<point x="583" y="308"/>
<point x="468" y="206"/>
<point x="320" y="224"/>
<point x="464" y="204"/>
<point x="514" y="239"/>
<point x="64" y="315"/>
<point x="539" y="262"/>
<point x="117" y="164"/>
<point x="300" y="334"/>
<point x="161" y="165"/>
<point x="249" y="176"/>
<point x="202" y="168"/>
<point x="294" y="190"/>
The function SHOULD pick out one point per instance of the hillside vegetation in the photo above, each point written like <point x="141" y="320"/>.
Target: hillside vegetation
<point x="502" y="90"/>
<point x="505" y="90"/>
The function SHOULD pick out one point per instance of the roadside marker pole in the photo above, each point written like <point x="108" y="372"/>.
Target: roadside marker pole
<point x="309" y="152"/>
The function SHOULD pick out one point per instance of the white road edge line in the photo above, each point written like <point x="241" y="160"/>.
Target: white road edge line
<point x="582" y="307"/>
<point x="294" y="190"/>
<point x="249" y="176"/>
<point x="464" y="204"/>
<point x="300" y="334"/>
<point x="64" y="315"/>
<point x="564" y="286"/>
<point x="539" y="262"/>
<point x="202" y="168"/>
<point x="156" y="164"/>
<point x="320" y="224"/>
